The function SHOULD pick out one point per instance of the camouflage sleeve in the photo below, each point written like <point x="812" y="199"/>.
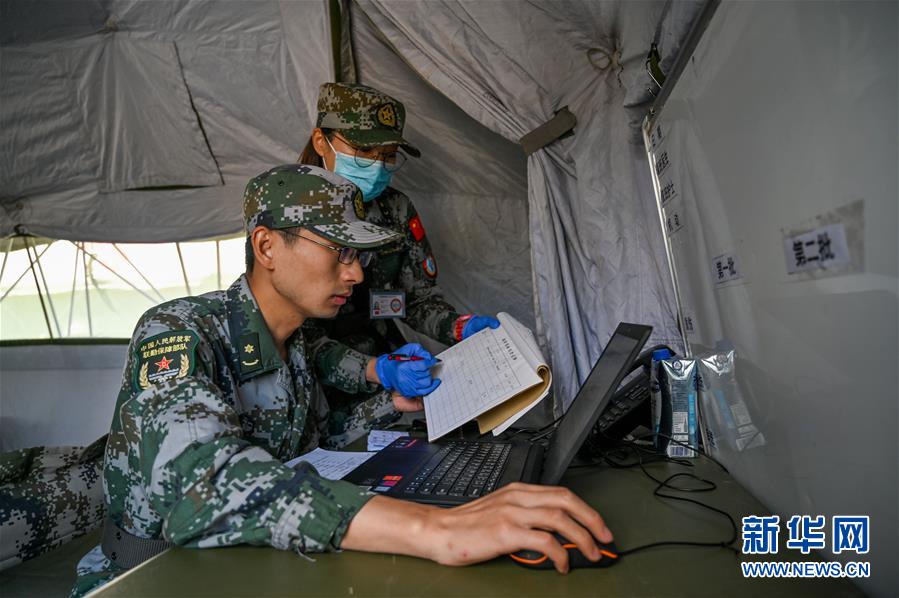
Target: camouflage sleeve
<point x="211" y="487"/>
<point x="336" y="364"/>
<point x="48" y="496"/>
<point x="348" y="423"/>
<point x="426" y="309"/>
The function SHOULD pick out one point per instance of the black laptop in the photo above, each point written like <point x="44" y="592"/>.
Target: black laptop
<point x="453" y="472"/>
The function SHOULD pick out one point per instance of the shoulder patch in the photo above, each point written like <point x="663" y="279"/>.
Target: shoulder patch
<point x="415" y="226"/>
<point x="163" y="357"/>
<point x="429" y="265"/>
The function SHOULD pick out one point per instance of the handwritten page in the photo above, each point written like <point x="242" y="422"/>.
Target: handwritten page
<point x="477" y="374"/>
<point x="378" y="439"/>
<point x="500" y="418"/>
<point x="332" y="465"/>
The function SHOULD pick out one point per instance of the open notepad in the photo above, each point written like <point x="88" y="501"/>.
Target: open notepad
<point x="496" y="375"/>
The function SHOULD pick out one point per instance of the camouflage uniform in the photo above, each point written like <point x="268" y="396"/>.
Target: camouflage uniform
<point x="208" y="411"/>
<point x="342" y="347"/>
<point x="48" y="496"/>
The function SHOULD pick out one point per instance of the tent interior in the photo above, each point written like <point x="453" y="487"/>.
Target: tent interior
<point x="193" y="99"/>
<point x="129" y="128"/>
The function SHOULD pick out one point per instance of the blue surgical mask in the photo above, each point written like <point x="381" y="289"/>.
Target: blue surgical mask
<point x="369" y="175"/>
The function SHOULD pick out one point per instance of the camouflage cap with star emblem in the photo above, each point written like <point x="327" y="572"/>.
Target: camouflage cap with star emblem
<point x="313" y="198"/>
<point x="363" y="115"/>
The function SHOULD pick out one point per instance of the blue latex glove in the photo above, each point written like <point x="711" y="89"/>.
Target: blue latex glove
<point x="409" y="378"/>
<point x="478" y="323"/>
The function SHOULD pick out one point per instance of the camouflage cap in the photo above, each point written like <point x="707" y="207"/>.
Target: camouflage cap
<point x="365" y="116"/>
<point x="313" y="198"/>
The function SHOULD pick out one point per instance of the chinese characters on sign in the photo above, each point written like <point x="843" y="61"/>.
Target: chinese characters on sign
<point x="673" y="221"/>
<point x="667" y="192"/>
<point x="662" y="163"/>
<point x="725" y="268"/>
<point x="689" y="326"/>
<point x="655" y="136"/>
<point x="821" y="248"/>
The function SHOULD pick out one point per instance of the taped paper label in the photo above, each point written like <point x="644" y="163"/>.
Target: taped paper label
<point x="725" y="268"/>
<point x="822" y="247"/>
<point x="662" y="163"/>
<point x="674" y="219"/>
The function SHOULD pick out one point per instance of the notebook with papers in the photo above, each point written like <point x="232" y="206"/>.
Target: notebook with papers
<point x="452" y="472"/>
<point x="496" y="376"/>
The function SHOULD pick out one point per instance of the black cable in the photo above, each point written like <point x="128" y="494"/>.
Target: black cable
<point x="685" y="445"/>
<point x="639" y="452"/>
<point x="538" y="433"/>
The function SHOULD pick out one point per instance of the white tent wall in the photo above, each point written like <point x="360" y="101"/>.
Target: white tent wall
<point x="469" y="187"/>
<point x="102" y="100"/>
<point x="596" y="252"/>
<point x="57" y="395"/>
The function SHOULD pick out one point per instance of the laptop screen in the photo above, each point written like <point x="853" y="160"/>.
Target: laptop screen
<point x="608" y="371"/>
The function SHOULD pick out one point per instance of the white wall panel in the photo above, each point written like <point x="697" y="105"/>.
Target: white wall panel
<point x="57" y="395"/>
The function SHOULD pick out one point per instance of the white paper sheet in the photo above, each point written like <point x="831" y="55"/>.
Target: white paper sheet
<point x="378" y="439"/>
<point x="332" y="465"/>
<point x="481" y="372"/>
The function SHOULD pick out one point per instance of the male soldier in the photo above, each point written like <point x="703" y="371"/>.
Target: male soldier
<point x="358" y="133"/>
<point x="217" y="394"/>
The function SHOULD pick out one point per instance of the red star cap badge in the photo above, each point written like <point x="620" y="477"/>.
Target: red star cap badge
<point x="163" y="363"/>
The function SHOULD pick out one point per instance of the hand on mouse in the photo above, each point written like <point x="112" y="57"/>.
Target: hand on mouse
<point x="515" y="517"/>
<point x="533" y="559"/>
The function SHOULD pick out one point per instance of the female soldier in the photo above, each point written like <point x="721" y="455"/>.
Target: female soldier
<point x="358" y="135"/>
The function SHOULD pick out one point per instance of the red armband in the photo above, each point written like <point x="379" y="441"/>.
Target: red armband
<point x="460" y="325"/>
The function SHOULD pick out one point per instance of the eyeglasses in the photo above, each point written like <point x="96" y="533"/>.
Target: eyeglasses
<point x="345" y="255"/>
<point x="365" y="157"/>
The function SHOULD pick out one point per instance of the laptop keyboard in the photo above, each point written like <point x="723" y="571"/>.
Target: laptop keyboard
<point x="461" y="469"/>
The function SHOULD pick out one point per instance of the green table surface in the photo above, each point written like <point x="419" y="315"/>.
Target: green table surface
<point x="623" y="496"/>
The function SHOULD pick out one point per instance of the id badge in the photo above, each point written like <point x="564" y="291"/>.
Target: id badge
<point x="387" y="304"/>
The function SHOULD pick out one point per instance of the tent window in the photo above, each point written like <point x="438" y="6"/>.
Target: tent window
<point x="52" y="290"/>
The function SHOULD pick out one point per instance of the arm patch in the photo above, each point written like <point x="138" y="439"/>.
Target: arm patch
<point x="415" y="226"/>
<point x="164" y="356"/>
<point x="429" y="265"/>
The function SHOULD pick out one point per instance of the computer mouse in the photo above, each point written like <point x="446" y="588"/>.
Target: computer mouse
<point x="533" y="559"/>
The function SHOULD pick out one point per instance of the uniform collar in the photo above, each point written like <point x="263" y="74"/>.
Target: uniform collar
<point x="250" y="338"/>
